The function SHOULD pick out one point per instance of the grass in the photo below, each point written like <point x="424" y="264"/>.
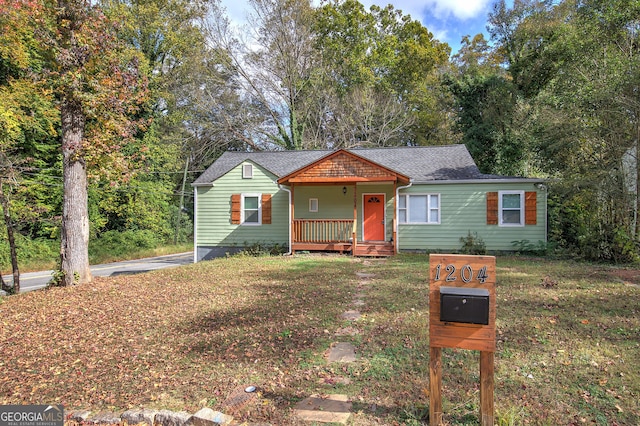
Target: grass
<point x="568" y="345"/>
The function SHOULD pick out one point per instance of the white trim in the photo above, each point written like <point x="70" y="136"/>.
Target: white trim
<point x="453" y="181"/>
<point x="311" y="209"/>
<point x="242" y="210"/>
<point x="195" y="225"/>
<point x="428" y="212"/>
<point x="384" y="214"/>
<point x="500" y="208"/>
<point x="247" y="171"/>
<point x="395" y="222"/>
<point x="289" y="222"/>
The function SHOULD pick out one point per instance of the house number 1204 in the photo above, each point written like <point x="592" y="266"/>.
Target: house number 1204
<point x="465" y="273"/>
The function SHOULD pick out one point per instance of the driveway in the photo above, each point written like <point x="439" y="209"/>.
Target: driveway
<point x="36" y="280"/>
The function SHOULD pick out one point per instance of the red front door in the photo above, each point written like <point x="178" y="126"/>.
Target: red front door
<point x="373" y="222"/>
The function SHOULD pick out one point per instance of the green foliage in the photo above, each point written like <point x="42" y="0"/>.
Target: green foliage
<point x="574" y="74"/>
<point x="29" y="250"/>
<point x="260" y="249"/>
<point x="473" y="244"/>
<point x="489" y="111"/>
<point x="383" y="75"/>
<point x="415" y="414"/>
<point x="58" y="278"/>
<point x="119" y="244"/>
<point x="539" y="248"/>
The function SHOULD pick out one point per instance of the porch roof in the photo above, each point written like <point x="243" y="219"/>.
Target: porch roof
<point x="341" y="167"/>
<point x="419" y="164"/>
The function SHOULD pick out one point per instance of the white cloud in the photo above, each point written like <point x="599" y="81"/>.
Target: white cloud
<point x="448" y="20"/>
<point x="442" y="9"/>
<point x="461" y="9"/>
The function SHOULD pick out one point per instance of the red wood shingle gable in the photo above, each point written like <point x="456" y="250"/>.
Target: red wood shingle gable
<point x="343" y="166"/>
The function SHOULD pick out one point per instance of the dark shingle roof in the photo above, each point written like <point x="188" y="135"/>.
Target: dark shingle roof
<point x="421" y="164"/>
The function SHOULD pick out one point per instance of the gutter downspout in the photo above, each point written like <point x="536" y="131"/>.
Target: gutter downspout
<point x="289" y="222"/>
<point x="195" y="225"/>
<point x="396" y="214"/>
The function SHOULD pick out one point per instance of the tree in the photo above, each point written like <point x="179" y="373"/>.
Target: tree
<point x="490" y="110"/>
<point x="99" y="88"/>
<point x="381" y="70"/>
<point x="576" y="66"/>
<point x="335" y="76"/>
<point x="275" y="65"/>
<point x="27" y="122"/>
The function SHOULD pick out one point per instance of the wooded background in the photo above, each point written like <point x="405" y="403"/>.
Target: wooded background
<point x="138" y="97"/>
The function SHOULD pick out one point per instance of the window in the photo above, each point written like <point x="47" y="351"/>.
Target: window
<point x="511" y="208"/>
<point x="419" y="208"/>
<point x="251" y="209"/>
<point x="247" y="171"/>
<point x="313" y="205"/>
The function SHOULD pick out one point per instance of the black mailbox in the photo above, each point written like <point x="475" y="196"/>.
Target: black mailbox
<point x="469" y="305"/>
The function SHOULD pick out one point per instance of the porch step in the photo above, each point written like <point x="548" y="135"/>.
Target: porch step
<point x="381" y="249"/>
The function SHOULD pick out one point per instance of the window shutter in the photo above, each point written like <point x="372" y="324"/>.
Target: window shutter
<point x="492" y="208"/>
<point x="235" y="209"/>
<point x="530" y="209"/>
<point x="266" y="209"/>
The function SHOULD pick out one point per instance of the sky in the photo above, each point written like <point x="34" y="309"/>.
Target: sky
<point x="447" y="20"/>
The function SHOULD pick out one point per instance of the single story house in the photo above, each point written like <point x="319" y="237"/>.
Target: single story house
<point x="376" y="201"/>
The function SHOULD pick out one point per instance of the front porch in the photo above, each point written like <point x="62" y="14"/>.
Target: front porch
<point x="343" y="203"/>
<point x="336" y="235"/>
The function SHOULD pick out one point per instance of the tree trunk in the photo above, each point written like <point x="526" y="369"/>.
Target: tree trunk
<point x="636" y="163"/>
<point x="74" y="247"/>
<point x="15" y="289"/>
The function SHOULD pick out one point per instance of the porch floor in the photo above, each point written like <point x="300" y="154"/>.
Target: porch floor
<point x="372" y="249"/>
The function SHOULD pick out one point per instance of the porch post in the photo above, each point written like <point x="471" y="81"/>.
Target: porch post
<point x="393" y="221"/>
<point x="292" y="228"/>
<point x="354" y="231"/>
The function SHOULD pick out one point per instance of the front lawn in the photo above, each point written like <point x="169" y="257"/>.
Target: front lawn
<point x="568" y="348"/>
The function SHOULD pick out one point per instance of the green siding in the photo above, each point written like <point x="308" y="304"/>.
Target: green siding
<point x="463" y="209"/>
<point x="332" y="202"/>
<point x="213" y="211"/>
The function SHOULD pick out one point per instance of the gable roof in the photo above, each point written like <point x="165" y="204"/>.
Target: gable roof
<point x="343" y="166"/>
<point x="421" y="164"/>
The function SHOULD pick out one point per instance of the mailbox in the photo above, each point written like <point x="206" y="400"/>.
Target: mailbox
<point x="461" y="304"/>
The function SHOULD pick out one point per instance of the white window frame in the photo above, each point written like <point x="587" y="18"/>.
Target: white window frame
<point x="247" y="171"/>
<point x="313" y="205"/>
<point x="243" y="211"/>
<point x="501" y="209"/>
<point x="429" y="209"/>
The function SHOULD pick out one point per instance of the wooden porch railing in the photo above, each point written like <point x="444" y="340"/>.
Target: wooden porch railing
<point x="322" y="230"/>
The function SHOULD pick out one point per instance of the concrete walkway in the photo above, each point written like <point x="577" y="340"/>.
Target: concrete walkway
<point x="336" y="408"/>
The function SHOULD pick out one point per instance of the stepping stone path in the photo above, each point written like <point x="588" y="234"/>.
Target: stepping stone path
<point x="342" y="352"/>
<point x="326" y="409"/>
<point x="350" y="315"/>
<point x="337" y="408"/>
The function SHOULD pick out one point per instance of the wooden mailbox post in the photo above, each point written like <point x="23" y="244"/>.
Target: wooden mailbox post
<point x="462" y="314"/>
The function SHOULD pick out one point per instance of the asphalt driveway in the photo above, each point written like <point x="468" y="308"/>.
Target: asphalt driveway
<point x="36" y="280"/>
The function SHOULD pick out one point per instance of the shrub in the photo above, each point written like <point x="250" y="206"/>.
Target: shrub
<point x="539" y="248"/>
<point x="29" y="251"/>
<point x="119" y="244"/>
<point x="473" y="244"/>
<point x="262" y="249"/>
